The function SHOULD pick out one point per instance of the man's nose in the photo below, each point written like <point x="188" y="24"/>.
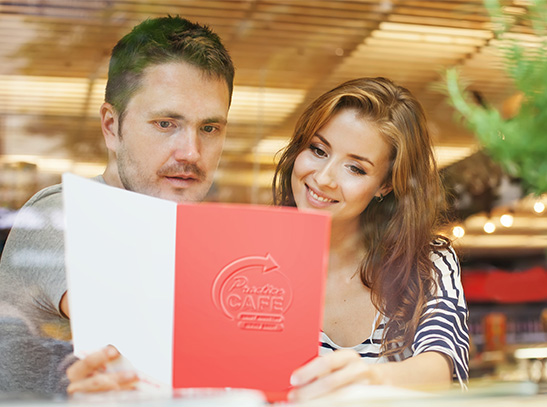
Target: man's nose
<point x="187" y="146"/>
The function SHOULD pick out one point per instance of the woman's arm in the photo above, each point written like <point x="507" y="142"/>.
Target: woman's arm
<point x="342" y="368"/>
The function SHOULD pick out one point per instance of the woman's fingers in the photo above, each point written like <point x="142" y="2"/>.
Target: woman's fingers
<point x="91" y="364"/>
<point x="354" y="372"/>
<point x="321" y="366"/>
<point x="104" y="382"/>
<point x="328" y="373"/>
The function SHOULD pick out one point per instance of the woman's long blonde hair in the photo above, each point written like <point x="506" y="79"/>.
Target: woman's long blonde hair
<point x="398" y="231"/>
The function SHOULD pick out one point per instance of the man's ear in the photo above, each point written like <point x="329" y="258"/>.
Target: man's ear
<point x="109" y="126"/>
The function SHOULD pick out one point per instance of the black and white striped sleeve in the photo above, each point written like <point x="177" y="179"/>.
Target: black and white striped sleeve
<point x="444" y="328"/>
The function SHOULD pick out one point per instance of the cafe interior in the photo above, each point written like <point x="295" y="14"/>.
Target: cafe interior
<point x="53" y="66"/>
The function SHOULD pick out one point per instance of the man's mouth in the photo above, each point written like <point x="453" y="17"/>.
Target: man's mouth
<point x="182" y="181"/>
<point x="182" y="177"/>
<point x="182" y="173"/>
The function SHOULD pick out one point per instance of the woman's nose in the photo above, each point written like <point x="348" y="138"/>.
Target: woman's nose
<point x="326" y="176"/>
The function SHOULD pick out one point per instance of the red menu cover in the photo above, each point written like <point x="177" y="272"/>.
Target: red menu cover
<point x="195" y="295"/>
<point x="248" y="292"/>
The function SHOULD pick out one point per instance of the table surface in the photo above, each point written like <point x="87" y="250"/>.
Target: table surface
<point x="522" y="394"/>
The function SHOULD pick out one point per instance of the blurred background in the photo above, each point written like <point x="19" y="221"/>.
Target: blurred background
<point x="53" y="63"/>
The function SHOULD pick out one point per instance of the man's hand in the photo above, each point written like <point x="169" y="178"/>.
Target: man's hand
<point x="89" y="375"/>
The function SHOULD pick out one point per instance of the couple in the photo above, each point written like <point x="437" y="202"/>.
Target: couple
<point x="394" y="307"/>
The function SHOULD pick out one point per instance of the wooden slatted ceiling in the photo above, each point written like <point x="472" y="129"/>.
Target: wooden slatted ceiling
<point x="308" y="46"/>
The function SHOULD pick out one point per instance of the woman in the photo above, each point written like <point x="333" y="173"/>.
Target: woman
<point x="363" y="152"/>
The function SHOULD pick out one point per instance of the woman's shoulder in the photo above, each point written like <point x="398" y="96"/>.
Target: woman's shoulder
<point x="440" y="242"/>
<point x="441" y="247"/>
<point x="447" y="273"/>
<point x="443" y="256"/>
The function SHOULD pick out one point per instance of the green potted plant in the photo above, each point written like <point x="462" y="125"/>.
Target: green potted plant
<point x="515" y="136"/>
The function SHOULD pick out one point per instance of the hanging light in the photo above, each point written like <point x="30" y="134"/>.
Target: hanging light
<point x="489" y="227"/>
<point x="539" y="207"/>
<point x="458" y="232"/>
<point x="507" y="220"/>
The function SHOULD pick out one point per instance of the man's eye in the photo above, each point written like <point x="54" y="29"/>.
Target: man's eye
<point x="209" y="129"/>
<point x="164" y="124"/>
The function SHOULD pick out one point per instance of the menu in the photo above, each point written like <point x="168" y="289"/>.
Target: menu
<point x="195" y="295"/>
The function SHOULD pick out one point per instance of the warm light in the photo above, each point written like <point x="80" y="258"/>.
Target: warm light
<point x="458" y="231"/>
<point x="539" y="207"/>
<point x="507" y="220"/>
<point x="531" y="353"/>
<point x="52" y="95"/>
<point x="75" y="96"/>
<point x="53" y="165"/>
<point x="446" y="155"/>
<point x="489" y="227"/>
<point x="270" y="146"/>
<point x="404" y="28"/>
<point x="271" y="106"/>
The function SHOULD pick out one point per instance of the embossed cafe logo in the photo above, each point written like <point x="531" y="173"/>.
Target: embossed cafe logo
<point x="254" y="293"/>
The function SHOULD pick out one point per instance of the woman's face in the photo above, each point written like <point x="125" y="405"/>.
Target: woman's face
<point x="342" y="169"/>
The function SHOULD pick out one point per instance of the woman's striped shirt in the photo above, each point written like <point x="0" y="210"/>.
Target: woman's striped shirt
<point x="445" y="331"/>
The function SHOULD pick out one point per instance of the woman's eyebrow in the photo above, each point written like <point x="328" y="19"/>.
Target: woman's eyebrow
<point x="323" y="139"/>
<point x="354" y="156"/>
<point x="359" y="158"/>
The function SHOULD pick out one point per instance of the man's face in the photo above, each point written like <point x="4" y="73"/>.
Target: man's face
<point x="170" y="140"/>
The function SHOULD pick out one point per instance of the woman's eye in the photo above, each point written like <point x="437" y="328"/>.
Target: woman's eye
<point x="356" y="170"/>
<point x="317" y="151"/>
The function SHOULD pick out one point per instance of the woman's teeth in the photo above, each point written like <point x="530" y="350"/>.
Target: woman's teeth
<point x="319" y="198"/>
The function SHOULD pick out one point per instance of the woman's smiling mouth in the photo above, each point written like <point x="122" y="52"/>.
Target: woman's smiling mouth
<point x="317" y="198"/>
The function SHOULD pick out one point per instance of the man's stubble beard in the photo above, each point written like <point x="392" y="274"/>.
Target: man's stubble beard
<point x="126" y="163"/>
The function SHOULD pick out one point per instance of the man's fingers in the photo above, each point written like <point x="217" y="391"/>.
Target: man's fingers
<point x="104" y="382"/>
<point x="93" y="363"/>
<point x="89" y="374"/>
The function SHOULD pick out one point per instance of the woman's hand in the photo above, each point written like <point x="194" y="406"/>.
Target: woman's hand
<point x="342" y="368"/>
<point x="90" y="375"/>
<point x="331" y="372"/>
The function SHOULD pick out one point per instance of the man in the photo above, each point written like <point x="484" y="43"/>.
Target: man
<point x="30" y="363"/>
<point x="164" y="118"/>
